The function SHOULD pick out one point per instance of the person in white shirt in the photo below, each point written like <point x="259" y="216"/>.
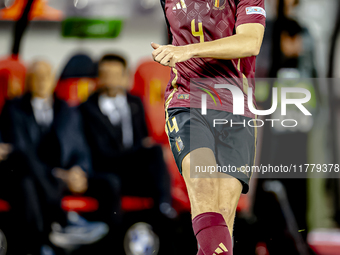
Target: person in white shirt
<point x="116" y="131"/>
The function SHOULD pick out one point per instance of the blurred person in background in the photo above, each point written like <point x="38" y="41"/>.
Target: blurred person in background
<point x="48" y="146"/>
<point x="292" y="45"/>
<point x="117" y="135"/>
<point x="77" y="80"/>
<point x="291" y="64"/>
<point x="78" y="75"/>
<point x="282" y="43"/>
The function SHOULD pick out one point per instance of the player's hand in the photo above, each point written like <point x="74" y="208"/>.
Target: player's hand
<point x="169" y="55"/>
<point x="75" y="178"/>
<point x="5" y="149"/>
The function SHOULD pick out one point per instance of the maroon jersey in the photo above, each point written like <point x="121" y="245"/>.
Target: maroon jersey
<point x="195" y="21"/>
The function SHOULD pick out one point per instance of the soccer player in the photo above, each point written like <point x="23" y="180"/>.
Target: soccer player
<point x="213" y="39"/>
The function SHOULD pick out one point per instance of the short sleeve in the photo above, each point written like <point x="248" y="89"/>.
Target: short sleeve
<point x="250" y="11"/>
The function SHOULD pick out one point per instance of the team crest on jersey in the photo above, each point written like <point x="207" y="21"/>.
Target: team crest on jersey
<point x="179" y="144"/>
<point x="219" y="4"/>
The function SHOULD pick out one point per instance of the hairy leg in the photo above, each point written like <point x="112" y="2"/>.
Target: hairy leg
<point x="229" y="193"/>
<point x="202" y="189"/>
<point x="213" y="202"/>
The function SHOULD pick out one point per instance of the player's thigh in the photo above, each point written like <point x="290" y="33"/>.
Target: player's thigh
<point x="236" y="149"/>
<point x="188" y="132"/>
<point x="192" y="144"/>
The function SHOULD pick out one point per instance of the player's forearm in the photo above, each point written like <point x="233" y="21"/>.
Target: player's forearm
<point x="233" y="47"/>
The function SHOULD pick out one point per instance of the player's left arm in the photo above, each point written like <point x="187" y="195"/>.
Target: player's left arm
<point x="245" y="43"/>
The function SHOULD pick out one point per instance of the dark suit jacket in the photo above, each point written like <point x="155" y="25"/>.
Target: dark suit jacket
<point x="104" y="139"/>
<point x="63" y="145"/>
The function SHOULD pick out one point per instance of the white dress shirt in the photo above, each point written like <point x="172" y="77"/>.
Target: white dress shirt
<point x="43" y="110"/>
<point x="118" y="111"/>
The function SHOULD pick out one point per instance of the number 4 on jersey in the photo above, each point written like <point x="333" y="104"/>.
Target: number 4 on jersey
<point x="199" y="32"/>
<point x="173" y="127"/>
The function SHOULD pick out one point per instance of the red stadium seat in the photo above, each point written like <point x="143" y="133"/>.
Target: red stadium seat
<point x="261" y="249"/>
<point x="12" y="79"/>
<point x="243" y="204"/>
<point x="130" y="203"/>
<point x="325" y="241"/>
<point x="150" y="81"/>
<point x="88" y="204"/>
<point x="4" y="206"/>
<point x="75" y="90"/>
<point x="77" y="80"/>
<point x="79" y="204"/>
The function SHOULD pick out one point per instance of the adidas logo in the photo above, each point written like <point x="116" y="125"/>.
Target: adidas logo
<point x="180" y="5"/>
<point x="221" y="248"/>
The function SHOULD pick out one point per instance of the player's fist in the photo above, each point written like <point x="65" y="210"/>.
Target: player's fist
<point x="169" y="55"/>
